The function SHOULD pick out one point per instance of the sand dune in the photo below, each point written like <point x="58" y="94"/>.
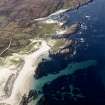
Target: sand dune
<point x="23" y="83"/>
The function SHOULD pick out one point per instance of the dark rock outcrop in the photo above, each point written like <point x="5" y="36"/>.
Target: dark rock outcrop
<point x="59" y="60"/>
<point x="9" y="84"/>
<point x="69" y="30"/>
<point x="16" y="18"/>
<point x="26" y="99"/>
<point x="72" y="29"/>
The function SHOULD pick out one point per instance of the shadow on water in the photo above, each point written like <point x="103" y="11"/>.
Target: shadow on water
<point x="90" y="83"/>
<point x="84" y="86"/>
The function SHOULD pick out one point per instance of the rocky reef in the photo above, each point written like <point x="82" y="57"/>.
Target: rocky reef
<point x="62" y="48"/>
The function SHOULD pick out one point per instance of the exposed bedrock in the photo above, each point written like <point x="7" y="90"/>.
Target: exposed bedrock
<point x="9" y="84"/>
<point x="16" y="18"/>
<point x="60" y="57"/>
<point x="28" y="9"/>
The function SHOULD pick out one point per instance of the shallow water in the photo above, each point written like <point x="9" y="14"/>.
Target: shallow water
<point x="91" y="47"/>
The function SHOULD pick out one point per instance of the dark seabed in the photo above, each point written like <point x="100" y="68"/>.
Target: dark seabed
<point x="85" y="85"/>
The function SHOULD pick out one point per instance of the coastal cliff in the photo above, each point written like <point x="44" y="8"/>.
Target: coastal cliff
<point x="16" y="20"/>
<point x="30" y="9"/>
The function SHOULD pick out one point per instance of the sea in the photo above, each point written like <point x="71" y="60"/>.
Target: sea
<point x="81" y="79"/>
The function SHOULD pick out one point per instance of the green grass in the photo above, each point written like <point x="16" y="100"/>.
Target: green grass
<point x="30" y="48"/>
<point x="59" y="43"/>
<point x="46" y="30"/>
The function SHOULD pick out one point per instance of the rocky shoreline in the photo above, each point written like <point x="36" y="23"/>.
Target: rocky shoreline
<point x="20" y="29"/>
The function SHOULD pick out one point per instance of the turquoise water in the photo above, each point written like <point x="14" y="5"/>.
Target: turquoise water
<point x="71" y="68"/>
<point x="86" y="69"/>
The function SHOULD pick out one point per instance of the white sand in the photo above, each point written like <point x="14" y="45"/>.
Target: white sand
<point x="61" y="32"/>
<point x="72" y="68"/>
<point x="24" y="81"/>
<point x="53" y="14"/>
<point x="59" y="12"/>
<point x="49" y="20"/>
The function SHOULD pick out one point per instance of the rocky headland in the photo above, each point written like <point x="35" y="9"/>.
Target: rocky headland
<point x="17" y="25"/>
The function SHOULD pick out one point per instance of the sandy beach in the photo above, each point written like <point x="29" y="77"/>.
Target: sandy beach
<point x="23" y="82"/>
